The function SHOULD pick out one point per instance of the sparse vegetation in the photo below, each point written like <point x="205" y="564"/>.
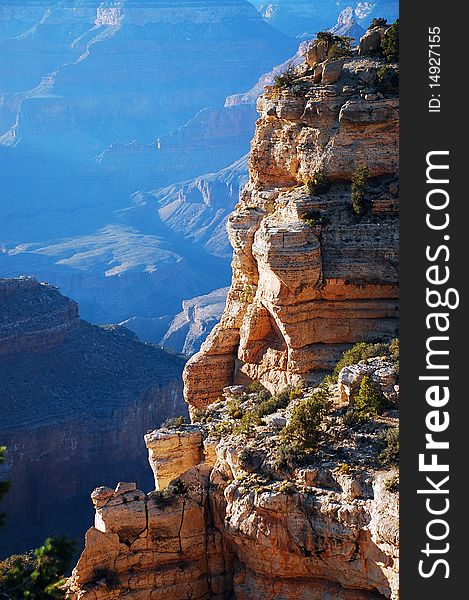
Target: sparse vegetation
<point x="390" y="454"/>
<point x="287" y="488"/>
<point x="173" y="490"/>
<point x="342" y="46"/>
<point x="392" y="484"/>
<point x="247" y="424"/>
<point x="234" y="409"/>
<point x="388" y="79"/>
<point x="369" y="401"/>
<point x="326" y="36"/>
<point x="286" y="78"/>
<point x="174" y="423"/>
<point x="314" y="218"/>
<point x="390" y="43"/>
<point x="359" y="189"/>
<point x="345" y="469"/>
<point x="394" y="349"/>
<point x="359" y="352"/>
<point x="280" y="400"/>
<point x="39" y="575"/>
<point x="318" y="184"/>
<point x="304" y="429"/>
<point x="378" y="22"/>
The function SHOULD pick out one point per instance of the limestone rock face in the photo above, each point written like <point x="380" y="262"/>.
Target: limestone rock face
<point x="333" y="535"/>
<point x="171" y="454"/>
<point x="309" y="276"/>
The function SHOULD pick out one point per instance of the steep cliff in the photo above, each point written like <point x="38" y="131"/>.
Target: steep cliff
<point x="283" y="489"/>
<point x="310" y="273"/>
<point x="75" y="401"/>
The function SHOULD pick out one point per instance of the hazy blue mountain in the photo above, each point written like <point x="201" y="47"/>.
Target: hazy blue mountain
<point x="303" y="18"/>
<point x="100" y="99"/>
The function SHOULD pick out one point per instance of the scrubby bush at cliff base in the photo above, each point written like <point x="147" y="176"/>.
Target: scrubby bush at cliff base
<point x="363" y="351"/>
<point x="369" y="401"/>
<point x="388" y="79"/>
<point x="280" y="400"/>
<point x="390" y="43"/>
<point x="359" y="180"/>
<point x="390" y="454"/>
<point x="174" y="423"/>
<point x="4" y="485"/>
<point x="286" y="78"/>
<point x="313" y="218"/>
<point x="304" y="429"/>
<point x="318" y="184"/>
<point x="39" y="575"/>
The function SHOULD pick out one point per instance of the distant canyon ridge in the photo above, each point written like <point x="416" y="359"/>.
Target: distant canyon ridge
<point x="124" y="129"/>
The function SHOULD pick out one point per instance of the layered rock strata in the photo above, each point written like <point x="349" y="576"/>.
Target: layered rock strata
<point x="218" y="531"/>
<point x="309" y="275"/>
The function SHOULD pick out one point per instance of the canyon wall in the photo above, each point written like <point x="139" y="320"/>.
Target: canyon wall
<point x="310" y="276"/>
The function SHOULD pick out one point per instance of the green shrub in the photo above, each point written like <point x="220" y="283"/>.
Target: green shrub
<point x="318" y="184"/>
<point x="287" y="456"/>
<point x="359" y="188"/>
<point x="378" y="22"/>
<point x="341" y="47"/>
<point x="357" y="353"/>
<point x="304" y="429"/>
<point x="390" y="454"/>
<point x="388" y="79"/>
<point x="326" y="36"/>
<point x="287" y="488"/>
<point x="40" y="574"/>
<point x="314" y="218"/>
<point x="390" y="43"/>
<point x="247" y="424"/>
<point x="392" y="484"/>
<point x="369" y="401"/>
<point x="286" y="78"/>
<point x="174" y="423"/>
<point x="234" y="409"/>
<point x="164" y="497"/>
<point x="394" y="349"/>
<point x="261" y="393"/>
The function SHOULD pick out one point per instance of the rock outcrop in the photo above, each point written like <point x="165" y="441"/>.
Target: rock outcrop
<point x="309" y="275"/>
<point x="219" y="527"/>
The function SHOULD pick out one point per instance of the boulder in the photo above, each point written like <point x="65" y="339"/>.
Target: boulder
<point x="332" y="70"/>
<point x="317" y="52"/>
<point x="370" y="43"/>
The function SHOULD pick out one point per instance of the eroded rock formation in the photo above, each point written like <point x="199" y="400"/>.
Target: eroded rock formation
<point x="309" y="275"/>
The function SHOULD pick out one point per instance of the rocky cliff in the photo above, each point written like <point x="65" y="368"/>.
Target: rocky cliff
<point x="310" y="275"/>
<point x="283" y="488"/>
<point x="75" y="401"/>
